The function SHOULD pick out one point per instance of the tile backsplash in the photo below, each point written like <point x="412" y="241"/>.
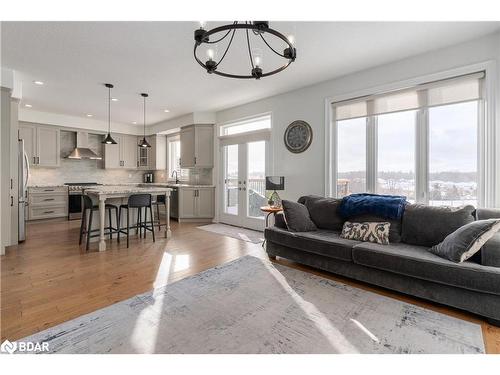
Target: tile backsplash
<point x="82" y="170"/>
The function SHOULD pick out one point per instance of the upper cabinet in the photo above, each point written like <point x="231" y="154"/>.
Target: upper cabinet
<point x="41" y="143"/>
<point x="157" y="159"/>
<point x="197" y="146"/>
<point x="122" y="155"/>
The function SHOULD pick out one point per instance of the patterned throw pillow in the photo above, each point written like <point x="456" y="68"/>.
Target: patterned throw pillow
<point x="367" y="232"/>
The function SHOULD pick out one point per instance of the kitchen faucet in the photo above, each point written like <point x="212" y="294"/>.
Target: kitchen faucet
<point x="176" y="177"/>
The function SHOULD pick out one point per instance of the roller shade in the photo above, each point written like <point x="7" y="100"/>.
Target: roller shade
<point x="449" y="91"/>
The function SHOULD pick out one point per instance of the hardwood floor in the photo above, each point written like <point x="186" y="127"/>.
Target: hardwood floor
<point x="50" y="279"/>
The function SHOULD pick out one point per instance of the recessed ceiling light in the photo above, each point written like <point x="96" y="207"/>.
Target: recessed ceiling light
<point x="90" y="115"/>
<point x="28" y="105"/>
<point x="39" y="83"/>
<point x="134" y="122"/>
<point x="166" y="110"/>
<point x="114" y="99"/>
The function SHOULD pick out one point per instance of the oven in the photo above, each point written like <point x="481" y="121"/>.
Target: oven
<point x="75" y="200"/>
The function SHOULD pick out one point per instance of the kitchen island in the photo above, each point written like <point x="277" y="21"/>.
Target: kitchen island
<point x="103" y="193"/>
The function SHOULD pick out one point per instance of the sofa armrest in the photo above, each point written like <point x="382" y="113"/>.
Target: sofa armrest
<point x="279" y="220"/>
<point x="490" y="252"/>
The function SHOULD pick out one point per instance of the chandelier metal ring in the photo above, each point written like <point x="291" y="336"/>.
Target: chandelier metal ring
<point x="258" y="28"/>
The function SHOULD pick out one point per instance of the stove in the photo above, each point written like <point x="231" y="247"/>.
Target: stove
<point x="75" y="201"/>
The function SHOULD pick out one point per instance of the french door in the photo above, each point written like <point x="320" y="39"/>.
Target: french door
<point x="243" y="167"/>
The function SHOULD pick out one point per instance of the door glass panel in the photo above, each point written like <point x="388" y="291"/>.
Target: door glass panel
<point x="256" y="178"/>
<point x="231" y="179"/>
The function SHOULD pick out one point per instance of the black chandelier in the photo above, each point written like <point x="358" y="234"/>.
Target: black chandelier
<point x="259" y="29"/>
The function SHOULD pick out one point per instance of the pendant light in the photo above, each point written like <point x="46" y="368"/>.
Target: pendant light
<point x="109" y="140"/>
<point x="143" y="142"/>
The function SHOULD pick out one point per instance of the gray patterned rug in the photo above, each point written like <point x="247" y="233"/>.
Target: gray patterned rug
<point x="251" y="305"/>
<point x="243" y="234"/>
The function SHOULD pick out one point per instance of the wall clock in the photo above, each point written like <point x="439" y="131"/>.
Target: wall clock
<point x="298" y="136"/>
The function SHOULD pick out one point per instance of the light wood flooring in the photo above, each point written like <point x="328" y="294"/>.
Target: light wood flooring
<point x="50" y="279"/>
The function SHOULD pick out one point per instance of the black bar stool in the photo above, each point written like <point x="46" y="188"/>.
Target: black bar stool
<point x="160" y="200"/>
<point x="86" y="227"/>
<point x="138" y="201"/>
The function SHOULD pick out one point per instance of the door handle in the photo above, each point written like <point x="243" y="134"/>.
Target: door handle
<point x="11" y="201"/>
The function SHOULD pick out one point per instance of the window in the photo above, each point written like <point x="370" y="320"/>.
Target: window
<point x="420" y="142"/>
<point x="453" y="154"/>
<point x="174" y="158"/>
<point x="245" y="126"/>
<point x="396" y="154"/>
<point x="351" y="156"/>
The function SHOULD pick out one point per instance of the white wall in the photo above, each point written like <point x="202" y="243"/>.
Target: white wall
<point x="305" y="172"/>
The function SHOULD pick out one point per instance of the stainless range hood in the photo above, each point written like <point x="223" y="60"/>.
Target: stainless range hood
<point x="82" y="150"/>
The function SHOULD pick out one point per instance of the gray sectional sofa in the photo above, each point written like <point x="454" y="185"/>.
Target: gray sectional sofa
<point x="405" y="265"/>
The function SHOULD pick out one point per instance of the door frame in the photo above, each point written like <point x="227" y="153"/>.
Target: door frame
<point x="242" y="140"/>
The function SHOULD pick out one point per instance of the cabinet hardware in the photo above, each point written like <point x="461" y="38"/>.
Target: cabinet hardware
<point x="34" y="159"/>
<point x="195" y="160"/>
<point x="48" y="190"/>
<point x="11" y="201"/>
<point x="48" y="199"/>
<point x="38" y="159"/>
<point x="48" y="212"/>
<point x="11" y="183"/>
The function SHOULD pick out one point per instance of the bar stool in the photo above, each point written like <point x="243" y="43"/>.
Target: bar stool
<point x="138" y="201"/>
<point x="86" y="228"/>
<point x="160" y="200"/>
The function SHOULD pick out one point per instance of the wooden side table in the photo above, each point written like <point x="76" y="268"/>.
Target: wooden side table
<point x="270" y="210"/>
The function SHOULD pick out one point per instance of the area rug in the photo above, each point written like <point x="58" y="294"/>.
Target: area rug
<point x="251" y="305"/>
<point x="244" y="234"/>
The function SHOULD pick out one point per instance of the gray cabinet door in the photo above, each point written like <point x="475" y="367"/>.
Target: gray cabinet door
<point x="48" y="146"/>
<point x="28" y="134"/>
<point x="129" y="151"/>
<point x="188" y="147"/>
<point x="112" y="158"/>
<point x="205" y="203"/>
<point x="204" y="146"/>
<point x="187" y="203"/>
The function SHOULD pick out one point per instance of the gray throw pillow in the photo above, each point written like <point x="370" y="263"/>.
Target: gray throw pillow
<point x="467" y="240"/>
<point x="297" y="217"/>
<point x="323" y="211"/>
<point x="427" y="225"/>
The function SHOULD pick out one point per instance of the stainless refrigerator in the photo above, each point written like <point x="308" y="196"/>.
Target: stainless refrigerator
<point x="24" y="175"/>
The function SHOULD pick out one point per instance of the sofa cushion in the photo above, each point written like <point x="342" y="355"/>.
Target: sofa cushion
<point x="322" y="242"/>
<point x="297" y="217"/>
<point x="490" y="252"/>
<point x="487" y="213"/>
<point x="417" y="261"/>
<point x="466" y="240"/>
<point x="323" y="211"/>
<point x="394" y="229"/>
<point x="427" y="225"/>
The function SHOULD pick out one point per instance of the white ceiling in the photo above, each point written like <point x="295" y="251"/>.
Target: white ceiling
<point x="74" y="59"/>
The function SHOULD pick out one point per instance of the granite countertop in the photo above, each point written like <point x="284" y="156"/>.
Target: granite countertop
<point x="121" y="189"/>
<point x="46" y="185"/>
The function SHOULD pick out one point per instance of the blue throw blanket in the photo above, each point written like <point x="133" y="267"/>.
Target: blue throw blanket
<point x="386" y="206"/>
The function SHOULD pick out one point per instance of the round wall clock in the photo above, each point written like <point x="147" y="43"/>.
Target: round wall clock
<point x="298" y="136"/>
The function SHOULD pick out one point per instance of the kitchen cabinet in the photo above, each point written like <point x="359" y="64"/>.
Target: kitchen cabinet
<point x="197" y="146"/>
<point x="154" y="157"/>
<point x="47" y="202"/>
<point x="195" y="203"/>
<point x="123" y="155"/>
<point x="41" y="143"/>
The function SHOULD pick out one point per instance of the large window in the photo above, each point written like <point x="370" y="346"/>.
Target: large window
<point x="421" y="143"/>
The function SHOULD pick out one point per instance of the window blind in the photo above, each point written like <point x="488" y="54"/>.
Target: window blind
<point x="448" y="91"/>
